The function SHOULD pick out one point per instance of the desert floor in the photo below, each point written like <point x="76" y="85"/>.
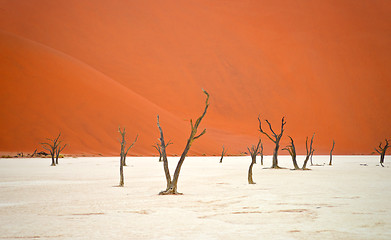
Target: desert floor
<point x="78" y="199"/>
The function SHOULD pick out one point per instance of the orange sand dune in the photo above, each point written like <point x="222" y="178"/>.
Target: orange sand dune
<point x="85" y="67"/>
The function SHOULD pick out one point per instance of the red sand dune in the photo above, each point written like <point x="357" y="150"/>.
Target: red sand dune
<point x="86" y="67"/>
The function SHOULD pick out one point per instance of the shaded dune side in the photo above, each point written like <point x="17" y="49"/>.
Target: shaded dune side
<point x="44" y="91"/>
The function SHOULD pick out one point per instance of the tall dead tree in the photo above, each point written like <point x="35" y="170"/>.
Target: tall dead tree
<point x="157" y="147"/>
<point x="124" y="152"/>
<point x="54" y="148"/>
<point x="172" y="184"/>
<point x="274" y="138"/>
<point x="331" y="154"/>
<point x="254" y="151"/>
<point x="222" y="154"/>
<point x="382" y="151"/>
<point x="309" y="150"/>
<point x="261" y="153"/>
<point x="292" y="151"/>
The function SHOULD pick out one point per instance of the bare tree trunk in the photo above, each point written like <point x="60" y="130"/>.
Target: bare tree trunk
<point x="305" y="163"/>
<point x="222" y="154"/>
<point x="121" y="160"/>
<point x="275" y="155"/>
<point x="295" y="165"/>
<point x="172" y="184"/>
<point x="53" y="160"/>
<point x="254" y="151"/>
<point x="309" y="152"/>
<point x="261" y="153"/>
<point x="276" y="139"/>
<point x="250" y="173"/>
<point x="124" y="160"/>
<point x="123" y="155"/>
<point x="121" y="173"/>
<point x="382" y="151"/>
<point x="331" y="154"/>
<point x="164" y="155"/>
<point x="292" y="151"/>
<point x="382" y="159"/>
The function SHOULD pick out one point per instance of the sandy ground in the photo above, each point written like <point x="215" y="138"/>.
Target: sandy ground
<point x="78" y="200"/>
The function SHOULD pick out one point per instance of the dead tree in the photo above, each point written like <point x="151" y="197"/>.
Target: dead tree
<point x="292" y="151"/>
<point x="309" y="150"/>
<point x="222" y="154"/>
<point x="33" y="155"/>
<point x="382" y="151"/>
<point x="254" y="151"/>
<point x="123" y="154"/>
<point x="331" y="153"/>
<point x="53" y="146"/>
<point x="171" y="188"/>
<point x="261" y="153"/>
<point x="157" y="147"/>
<point x="274" y="138"/>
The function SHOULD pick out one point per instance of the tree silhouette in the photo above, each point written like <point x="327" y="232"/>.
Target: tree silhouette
<point x="54" y="147"/>
<point x="124" y="152"/>
<point x="274" y="138"/>
<point x="331" y="154"/>
<point x="309" y="150"/>
<point x="382" y="151"/>
<point x="222" y="154"/>
<point x="292" y="151"/>
<point x="254" y="151"/>
<point x="171" y="188"/>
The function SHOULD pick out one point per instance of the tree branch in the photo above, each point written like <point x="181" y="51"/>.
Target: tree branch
<point x="203" y="132"/>
<point x="260" y="129"/>
<point x="271" y="129"/>
<point x="135" y="140"/>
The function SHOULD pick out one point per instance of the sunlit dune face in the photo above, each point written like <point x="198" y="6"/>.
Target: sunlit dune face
<point x="86" y="68"/>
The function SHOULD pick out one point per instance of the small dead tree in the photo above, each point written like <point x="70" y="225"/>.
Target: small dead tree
<point x="222" y="154"/>
<point x="331" y="154"/>
<point x="124" y="152"/>
<point x="382" y="151"/>
<point x="254" y="151"/>
<point x="33" y="155"/>
<point x="157" y="147"/>
<point x="54" y="148"/>
<point x="309" y="150"/>
<point x="274" y="138"/>
<point x="292" y="151"/>
<point x="172" y="184"/>
<point x="261" y="153"/>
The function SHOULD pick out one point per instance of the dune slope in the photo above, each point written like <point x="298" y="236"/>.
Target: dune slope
<point x="324" y="66"/>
